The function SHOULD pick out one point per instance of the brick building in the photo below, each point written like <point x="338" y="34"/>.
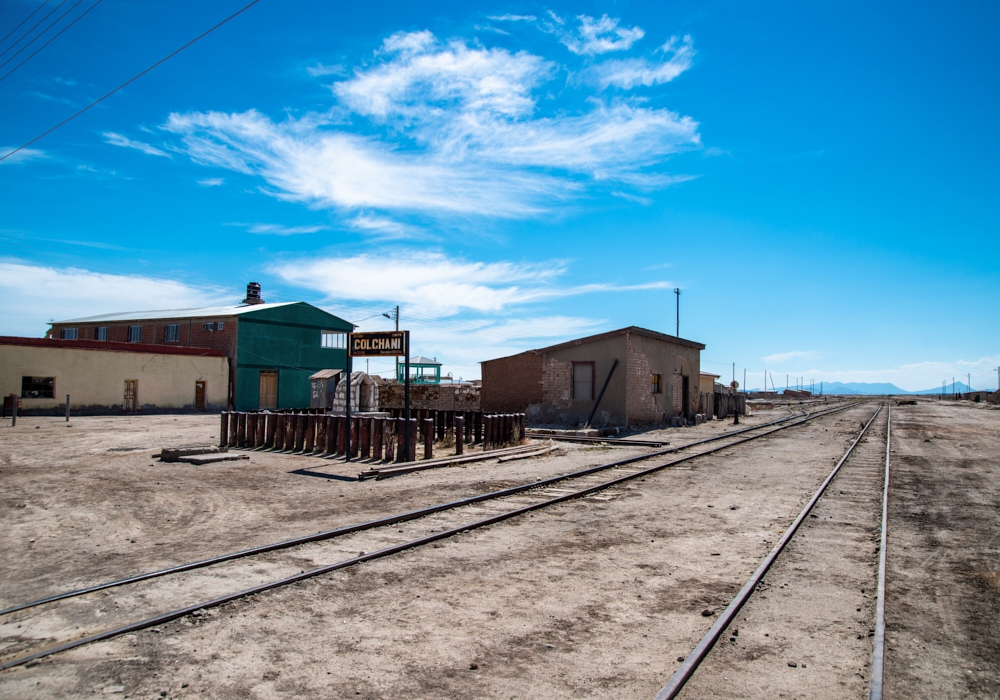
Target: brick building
<point x="656" y="378"/>
<point x="272" y="348"/>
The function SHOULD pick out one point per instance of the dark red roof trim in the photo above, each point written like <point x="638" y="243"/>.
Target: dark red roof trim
<point x="110" y="347"/>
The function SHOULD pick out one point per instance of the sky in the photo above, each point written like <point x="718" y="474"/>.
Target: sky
<point x="819" y="180"/>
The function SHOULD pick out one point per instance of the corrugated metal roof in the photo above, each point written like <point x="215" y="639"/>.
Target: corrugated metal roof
<point x="421" y="360"/>
<point x="205" y="312"/>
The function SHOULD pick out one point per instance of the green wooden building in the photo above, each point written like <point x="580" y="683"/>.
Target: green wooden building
<point x="272" y="348"/>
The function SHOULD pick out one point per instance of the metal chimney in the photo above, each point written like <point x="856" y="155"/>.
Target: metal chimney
<point x="253" y="294"/>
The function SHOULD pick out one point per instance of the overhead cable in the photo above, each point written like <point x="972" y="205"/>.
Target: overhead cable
<point x="78" y="18"/>
<point x="128" y="82"/>
<point x="23" y="21"/>
<point x="18" y="40"/>
<point x="39" y="35"/>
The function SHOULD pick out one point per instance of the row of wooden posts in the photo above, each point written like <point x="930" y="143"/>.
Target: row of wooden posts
<point x="377" y="438"/>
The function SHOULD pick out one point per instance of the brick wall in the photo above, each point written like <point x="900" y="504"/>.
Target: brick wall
<point x="438" y="397"/>
<point x="191" y="333"/>
<point x="678" y="393"/>
<point x="557" y="383"/>
<point x="640" y="402"/>
<point x="511" y="384"/>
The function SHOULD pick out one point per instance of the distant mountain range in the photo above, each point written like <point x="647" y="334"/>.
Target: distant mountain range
<point x="865" y="388"/>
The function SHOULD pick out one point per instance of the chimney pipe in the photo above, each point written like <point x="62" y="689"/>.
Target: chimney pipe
<point x="253" y="294"/>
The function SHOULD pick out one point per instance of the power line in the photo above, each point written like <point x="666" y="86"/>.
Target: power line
<point x="129" y="81"/>
<point x="39" y="35"/>
<point x="78" y="18"/>
<point x="18" y="40"/>
<point x="23" y="21"/>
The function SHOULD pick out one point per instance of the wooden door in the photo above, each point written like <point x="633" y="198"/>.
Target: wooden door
<point x="199" y="396"/>
<point x="131" y="395"/>
<point x="268" y="389"/>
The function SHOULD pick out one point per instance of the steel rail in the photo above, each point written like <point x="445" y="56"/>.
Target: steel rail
<point x="694" y="659"/>
<point x="878" y="648"/>
<point x="394" y="549"/>
<point x="371" y="524"/>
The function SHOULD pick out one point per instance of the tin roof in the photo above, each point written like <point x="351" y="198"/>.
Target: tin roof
<point x="205" y="312"/>
<point x="610" y="334"/>
<point x="421" y="360"/>
<point x="325" y="374"/>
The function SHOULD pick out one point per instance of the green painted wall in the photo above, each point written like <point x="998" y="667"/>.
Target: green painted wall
<point x="286" y="339"/>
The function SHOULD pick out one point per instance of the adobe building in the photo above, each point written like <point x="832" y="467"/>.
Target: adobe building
<point x="657" y="378"/>
<point x="106" y="377"/>
<point x="273" y="348"/>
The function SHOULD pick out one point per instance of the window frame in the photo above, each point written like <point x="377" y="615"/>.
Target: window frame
<point x="69" y="334"/>
<point x="210" y="326"/>
<point x="339" y="340"/>
<point x="593" y="378"/>
<point x="52" y="388"/>
<point x="657" y="381"/>
<point x="172" y="329"/>
<point x="101" y="331"/>
<point x="138" y="334"/>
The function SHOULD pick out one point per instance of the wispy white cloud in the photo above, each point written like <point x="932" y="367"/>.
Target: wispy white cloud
<point x="463" y="137"/>
<point x="212" y="182"/>
<point x="597" y="36"/>
<point x="125" y="142"/>
<point x="320" y="69"/>
<point x="512" y="18"/>
<point x="381" y="227"/>
<point x="436" y="283"/>
<point x="25" y="155"/>
<point x="628" y="73"/>
<point x="33" y="294"/>
<point x="791" y="355"/>
<point x="279" y="230"/>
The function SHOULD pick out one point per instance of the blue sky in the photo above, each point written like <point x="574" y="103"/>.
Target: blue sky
<point x="819" y="179"/>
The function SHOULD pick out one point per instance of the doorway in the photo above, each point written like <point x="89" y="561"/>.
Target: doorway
<point x="131" y="395"/>
<point x="268" y="389"/>
<point x="686" y="397"/>
<point x="199" y="396"/>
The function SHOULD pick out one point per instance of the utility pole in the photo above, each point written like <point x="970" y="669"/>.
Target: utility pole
<point x="390" y="315"/>
<point x="677" y="316"/>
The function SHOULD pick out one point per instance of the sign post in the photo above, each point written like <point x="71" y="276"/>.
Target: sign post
<point x="381" y="344"/>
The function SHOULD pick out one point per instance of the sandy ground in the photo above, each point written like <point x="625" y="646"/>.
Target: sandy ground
<point x="592" y="598"/>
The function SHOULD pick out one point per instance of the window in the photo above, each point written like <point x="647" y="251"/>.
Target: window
<point x="135" y="334"/>
<point x="209" y="326"/>
<point x="657" y="383"/>
<point x="583" y="381"/>
<point x="101" y="333"/>
<point x="38" y="387"/>
<point x="218" y="325"/>
<point x="333" y="339"/>
<point x="68" y="334"/>
<point x="171" y="333"/>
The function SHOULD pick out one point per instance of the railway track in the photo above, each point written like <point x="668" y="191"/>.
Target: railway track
<point x="864" y="468"/>
<point x="60" y="618"/>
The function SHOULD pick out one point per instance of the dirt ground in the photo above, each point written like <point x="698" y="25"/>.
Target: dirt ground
<point x="591" y="598"/>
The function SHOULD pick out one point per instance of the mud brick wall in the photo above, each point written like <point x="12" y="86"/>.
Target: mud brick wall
<point x="557" y="383"/>
<point x="640" y="402"/>
<point x="437" y="397"/>
<point x="511" y="384"/>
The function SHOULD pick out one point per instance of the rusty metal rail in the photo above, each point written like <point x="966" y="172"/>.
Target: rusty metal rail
<point x="775" y="426"/>
<point x="683" y="674"/>
<point x="878" y="648"/>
